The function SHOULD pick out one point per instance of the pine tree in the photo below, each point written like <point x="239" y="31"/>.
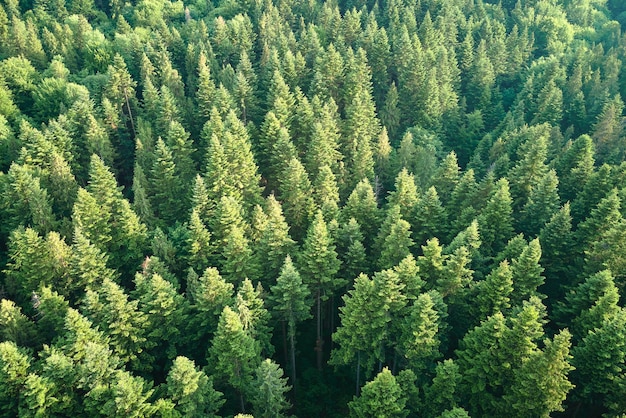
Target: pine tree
<point x="430" y="217"/>
<point x="15" y="326"/>
<point x="166" y="312"/>
<point x="166" y="185"/>
<point x="250" y="306"/>
<point x="268" y="399"/>
<point x="236" y="256"/>
<point x="274" y="242"/>
<point x="495" y="220"/>
<point x="404" y="195"/>
<point x="291" y="305"/>
<point x="542" y="203"/>
<point x="295" y="194"/>
<point x="88" y="264"/>
<point x="108" y="307"/>
<point x="25" y="202"/>
<point x="443" y="392"/>
<point x="527" y="273"/>
<point x="394" y="239"/>
<point x="13" y="374"/>
<point x="233" y="356"/>
<point x="318" y="265"/>
<point x="599" y="361"/>
<point x="495" y="291"/>
<point x="199" y="242"/>
<point x="35" y="261"/>
<point x="192" y="391"/>
<point x="420" y="342"/>
<point x="362" y="330"/>
<point x="363" y="207"/>
<point x="541" y="385"/>
<point x="208" y="295"/>
<point x="557" y="242"/>
<point x="382" y="397"/>
<point x="352" y="251"/>
<point x="575" y="166"/>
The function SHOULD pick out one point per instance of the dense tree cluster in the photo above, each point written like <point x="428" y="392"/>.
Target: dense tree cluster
<point x="346" y="208"/>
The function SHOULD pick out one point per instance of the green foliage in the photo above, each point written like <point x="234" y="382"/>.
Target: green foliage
<point x="382" y="397"/>
<point x="419" y="177"/>
<point x="270" y="387"/>
<point x="191" y="390"/>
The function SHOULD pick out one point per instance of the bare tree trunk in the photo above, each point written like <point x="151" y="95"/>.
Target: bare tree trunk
<point x="285" y="352"/>
<point x="358" y="373"/>
<point x="293" y="361"/>
<point x="319" y="344"/>
<point x="130" y="113"/>
<point x="243" y="404"/>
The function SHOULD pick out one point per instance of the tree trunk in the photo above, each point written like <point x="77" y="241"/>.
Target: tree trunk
<point x="319" y="343"/>
<point x="358" y="373"/>
<point x="293" y="360"/>
<point x="130" y="113"/>
<point x="243" y="404"/>
<point x="285" y="352"/>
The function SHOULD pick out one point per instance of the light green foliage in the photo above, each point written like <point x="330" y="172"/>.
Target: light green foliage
<point x="36" y="261"/>
<point x="234" y="355"/>
<point x="118" y="318"/>
<point x="254" y="317"/>
<point x="382" y="397"/>
<point x="420" y="343"/>
<point x="14" y="365"/>
<point x="15" y="326"/>
<point x="166" y="313"/>
<point x="192" y="391"/>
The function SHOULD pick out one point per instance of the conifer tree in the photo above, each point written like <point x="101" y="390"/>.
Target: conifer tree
<point x="495" y="220"/>
<point x="382" y="397"/>
<point x="25" y="202"/>
<point x="363" y="207"/>
<point x="420" y="344"/>
<point x="394" y="239"/>
<point x="166" y="313"/>
<point x="15" y="326"/>
<point x="495" y="291"/>
<point x="352" y="251"/>
<point x="13" y="374"/>
<point x="295" y="188"/>
<point x="233" y="356"/>
<point x="36" y="261"/>
<point x="199" y="242"/>
<point x="191" y="390"/>
<point x="274" y="242"/>
<point x="542" y="203"/>
<point x="527" y="272"/>
<point x="108" y="307"/>
<point x="443" y="392"/>
<point x="291" y="304"/>
<point x="88" y="264"/>
<point x="250" y="306"/>
<point x="268" y="399"/>
<point x="166" y="185"/>
<point x="318" y="264"/>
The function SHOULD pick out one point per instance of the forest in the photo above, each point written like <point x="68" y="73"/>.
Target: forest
<point x="342" y="208"/>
